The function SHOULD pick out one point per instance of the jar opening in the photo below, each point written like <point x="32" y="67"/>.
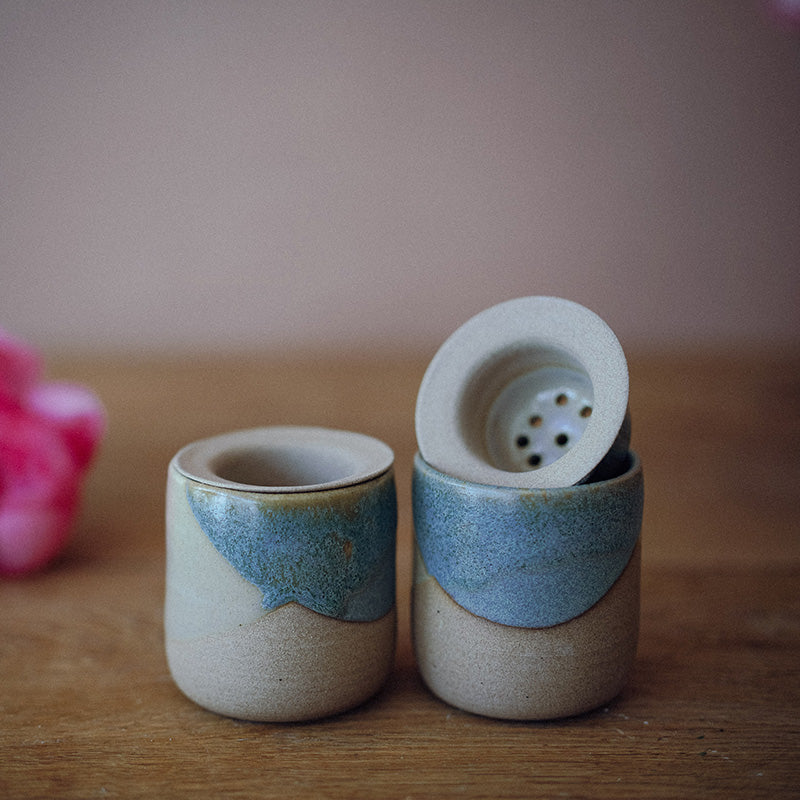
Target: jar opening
<point x="284" y="467"/>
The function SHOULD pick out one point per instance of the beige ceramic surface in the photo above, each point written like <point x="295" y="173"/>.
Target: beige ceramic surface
<point x="290" y="664"/>
<point x="525" y="673"/>
<point x="205" y="594"/>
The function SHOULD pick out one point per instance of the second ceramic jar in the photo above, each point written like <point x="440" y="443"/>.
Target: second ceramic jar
<point x="527" y="512"/>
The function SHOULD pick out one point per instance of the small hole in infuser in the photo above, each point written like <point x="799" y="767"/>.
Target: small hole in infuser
<point x="535" y="421"/>
<point x="561" y="400"/>
<point x="586" y="411"/>
<point x="534" y="459"/>
<point x="562" y="439"/>
<point x="523" y="441"/>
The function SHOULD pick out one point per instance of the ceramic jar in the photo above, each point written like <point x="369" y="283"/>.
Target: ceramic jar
<point x="280" y="586"/>
<point x="526" y="601"/>
<point x="527" y="511"/>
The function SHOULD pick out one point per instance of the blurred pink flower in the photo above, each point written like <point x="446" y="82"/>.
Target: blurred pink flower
<point x="49" y="432"/>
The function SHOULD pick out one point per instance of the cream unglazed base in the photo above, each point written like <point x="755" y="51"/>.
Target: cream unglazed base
<point x="518" y="673"/>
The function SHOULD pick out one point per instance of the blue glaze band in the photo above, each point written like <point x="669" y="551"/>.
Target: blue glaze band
<point x="333" y="553"/>
<point x="530" y="558"/>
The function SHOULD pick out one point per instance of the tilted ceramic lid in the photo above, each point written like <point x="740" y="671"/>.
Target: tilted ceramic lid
<point x="530" y="393"/>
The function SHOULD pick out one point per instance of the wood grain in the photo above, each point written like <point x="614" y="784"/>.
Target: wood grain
<point x="713" y="708"/>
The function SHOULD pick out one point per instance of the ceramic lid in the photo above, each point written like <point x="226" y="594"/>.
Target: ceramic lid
<point x="531" y="393"/>
<point x="284" y="459"/>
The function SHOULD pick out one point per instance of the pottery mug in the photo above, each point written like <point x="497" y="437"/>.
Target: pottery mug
<point x="280" y="585"/>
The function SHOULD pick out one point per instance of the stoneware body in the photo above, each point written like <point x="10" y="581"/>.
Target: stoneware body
<point x="280" y="591"/>
<point x="526" y="601"/>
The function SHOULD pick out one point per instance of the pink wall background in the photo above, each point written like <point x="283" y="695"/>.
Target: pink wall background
<point x="221" y="175"/>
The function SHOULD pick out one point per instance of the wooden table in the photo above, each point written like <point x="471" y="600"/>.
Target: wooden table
<point x="88" y="708"/>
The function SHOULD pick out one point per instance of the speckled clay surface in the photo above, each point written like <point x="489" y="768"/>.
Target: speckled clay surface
<point x="288" y="665"/>
<point x="280" y="599"/>
<point x="526" y="673"/>
<point x="526" y="557"/>
<point x="530" y="393"/>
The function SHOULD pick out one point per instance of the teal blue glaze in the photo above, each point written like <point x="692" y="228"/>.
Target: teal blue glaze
<point x="332" y="551"/>
<point x="530" y="558"/>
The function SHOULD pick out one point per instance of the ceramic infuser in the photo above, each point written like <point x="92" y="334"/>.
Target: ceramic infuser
<point x="527" y="512"/>
<point x="280" y="590"/>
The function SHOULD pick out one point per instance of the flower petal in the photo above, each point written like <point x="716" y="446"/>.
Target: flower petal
<point x="72" y="410"/>
<point x="48" y="435"/>
<point x="30" y="537"/>
<point x="20" y="367"/>
<point x="39" y="492"/>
